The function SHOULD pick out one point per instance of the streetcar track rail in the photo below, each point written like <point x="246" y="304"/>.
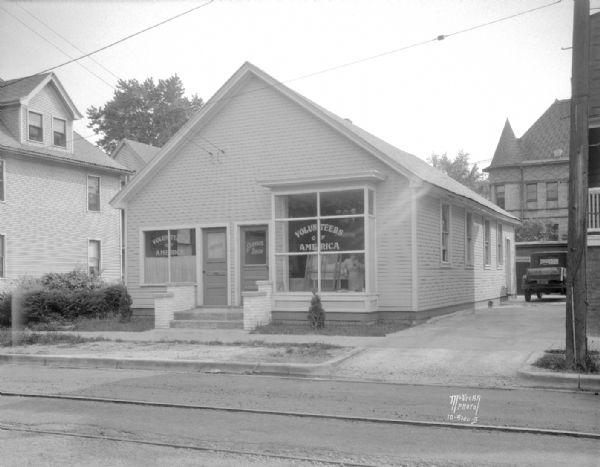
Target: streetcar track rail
<point x="185" y="446"/>
<point x="347" y="418"/>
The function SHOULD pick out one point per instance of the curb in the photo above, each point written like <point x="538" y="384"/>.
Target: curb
<point x="558" y="380"/>
<point x="198" y="366"/>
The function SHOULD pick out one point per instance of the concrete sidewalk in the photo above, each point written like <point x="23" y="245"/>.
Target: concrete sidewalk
<point x="489" y="347"/>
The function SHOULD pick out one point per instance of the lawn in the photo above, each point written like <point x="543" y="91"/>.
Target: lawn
<point x="379" y="329"/>
<point x="136" y="324"/>
<point x="554" y="359"/>
<point x="7" y="338"/>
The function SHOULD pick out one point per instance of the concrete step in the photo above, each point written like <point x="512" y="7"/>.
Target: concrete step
<point x="202" y="314"/>
<point x="206" y="324"/>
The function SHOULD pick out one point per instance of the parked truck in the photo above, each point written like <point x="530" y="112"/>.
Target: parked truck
<point x="546" y="274"/>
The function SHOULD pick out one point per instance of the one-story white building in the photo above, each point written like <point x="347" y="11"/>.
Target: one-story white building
<point x="264" y="184"/>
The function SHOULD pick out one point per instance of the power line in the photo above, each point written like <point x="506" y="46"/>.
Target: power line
<point x="326" y="70"/>
<point x="113" y="43"/>
<point x="16" y="18"/>
<point x="440" y="37"/>
<point x="129" y="37"/>
<point x="37" y="18"/>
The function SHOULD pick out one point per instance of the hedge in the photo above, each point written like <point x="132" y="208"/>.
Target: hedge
<point x="67" y="297"/>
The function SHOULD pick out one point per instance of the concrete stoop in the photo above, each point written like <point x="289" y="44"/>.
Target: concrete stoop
<point x="209" y="318"/>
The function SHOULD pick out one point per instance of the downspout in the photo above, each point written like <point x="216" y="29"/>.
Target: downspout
<point x="414" y="185"/>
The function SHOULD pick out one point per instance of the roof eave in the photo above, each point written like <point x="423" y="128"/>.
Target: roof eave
<point x="53" y="158"/>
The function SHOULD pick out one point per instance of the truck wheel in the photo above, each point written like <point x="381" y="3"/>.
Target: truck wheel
<point x="527" y="296"/>
<point x="539" y="295"/>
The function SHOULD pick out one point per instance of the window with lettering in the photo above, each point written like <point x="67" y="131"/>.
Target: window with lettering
<point x="320" y="240"/>
<point x="170" y="256"/>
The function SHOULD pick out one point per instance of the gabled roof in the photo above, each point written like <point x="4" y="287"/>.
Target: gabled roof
<point x="84" y="152"/>
<point x="546" y="140"/>
<point x="406" y="164"/>
<point x="145" y="151"/>
<point x="21" y="90"/>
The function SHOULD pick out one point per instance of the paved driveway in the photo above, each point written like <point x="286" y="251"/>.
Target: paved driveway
<point x="485" y="347"/>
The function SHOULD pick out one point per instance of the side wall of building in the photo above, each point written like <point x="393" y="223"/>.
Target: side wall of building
<point x="45" y="220"/>
<point x="455" y="282"/>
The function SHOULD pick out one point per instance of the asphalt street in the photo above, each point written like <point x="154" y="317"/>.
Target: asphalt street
<point x="49" y="422"/>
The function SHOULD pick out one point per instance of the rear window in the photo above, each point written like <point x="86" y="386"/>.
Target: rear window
<point x="549" y="259"/>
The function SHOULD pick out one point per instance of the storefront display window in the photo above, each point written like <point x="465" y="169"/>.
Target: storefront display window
<point x="170" y="256"/>
<point x="320" y="241"/>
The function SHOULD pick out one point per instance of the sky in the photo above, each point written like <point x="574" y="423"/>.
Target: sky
<point x="432" y="98"/>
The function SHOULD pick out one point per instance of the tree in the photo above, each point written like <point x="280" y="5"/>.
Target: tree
<point x="145" y="112"/>
<point x="535" y="230"/>
<point x="461" y="170"/>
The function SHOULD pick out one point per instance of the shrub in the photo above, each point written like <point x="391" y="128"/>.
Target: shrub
<point x="74" y="280"/>
<point x="316" y="314"/>
<point x="5" y="304"/>
<point x="119" y="301"/>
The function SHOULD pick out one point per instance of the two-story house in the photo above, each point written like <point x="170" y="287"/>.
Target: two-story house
<point x="55" y="187"/>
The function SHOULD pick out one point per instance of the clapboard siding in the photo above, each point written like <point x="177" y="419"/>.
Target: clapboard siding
<point x="46" y="223"/>
<point x="264" y="135"/>
<point x="442" y="285"/>
<point x="48" y="103"/>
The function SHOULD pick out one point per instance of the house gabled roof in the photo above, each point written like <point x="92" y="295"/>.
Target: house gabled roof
<point x="84" y="152"/>
<point x="404" y="163"/>
<point x="146" y="152"/>
<point x="21" y="90"/>
<point x="546" y="140"/>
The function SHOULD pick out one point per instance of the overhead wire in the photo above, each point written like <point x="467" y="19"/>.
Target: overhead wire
<point x="82" y="65"/>
<point x="316" y="73"/>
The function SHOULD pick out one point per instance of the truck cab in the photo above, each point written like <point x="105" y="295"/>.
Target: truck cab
<point x="547" y="274"/>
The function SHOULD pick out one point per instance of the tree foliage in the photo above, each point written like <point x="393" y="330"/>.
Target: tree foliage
<point x="461" y="170"/>
<point x="145" y="112"/>
<point x="535" y="230"/>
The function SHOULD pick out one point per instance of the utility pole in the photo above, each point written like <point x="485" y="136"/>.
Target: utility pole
<point x="576" y="309"/>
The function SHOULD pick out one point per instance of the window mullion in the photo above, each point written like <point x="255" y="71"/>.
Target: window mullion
<point x="319" y="241"/>
<point x="168" y="256"/>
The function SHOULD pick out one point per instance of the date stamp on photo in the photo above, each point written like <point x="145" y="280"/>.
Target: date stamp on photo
<point x="464" y="408"/>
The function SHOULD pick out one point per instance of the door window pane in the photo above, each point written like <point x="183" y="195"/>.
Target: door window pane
<point x="215" y="242"/>
<point x="255" y="248"/>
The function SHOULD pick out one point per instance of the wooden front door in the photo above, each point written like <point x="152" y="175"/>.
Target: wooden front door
<point x="255" y="259"/>
<point x="214" y="266"/>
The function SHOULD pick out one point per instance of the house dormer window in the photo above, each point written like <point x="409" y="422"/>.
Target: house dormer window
<point x="36" y="130"/>
<point x="59" y="131"/>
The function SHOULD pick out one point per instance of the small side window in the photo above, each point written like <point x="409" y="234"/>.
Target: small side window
<point x="36" y="129"/>
<point x="94" y="257"/>
<point x="59" y="131"/>
<point x="93" y="184"/>
<point x="445" y="233"/>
